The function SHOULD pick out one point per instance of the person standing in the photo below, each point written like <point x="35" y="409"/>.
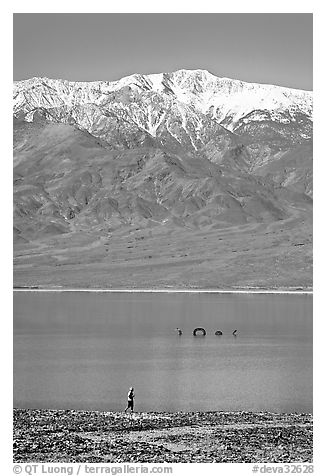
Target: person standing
<point x="131" y="396"/>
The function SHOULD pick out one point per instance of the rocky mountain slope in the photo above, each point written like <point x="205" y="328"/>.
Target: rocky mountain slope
<point x="175" y="154"/>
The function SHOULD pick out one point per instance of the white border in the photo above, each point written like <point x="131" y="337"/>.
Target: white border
<point x="319" y="212"/>
<point x="168" y="6"/>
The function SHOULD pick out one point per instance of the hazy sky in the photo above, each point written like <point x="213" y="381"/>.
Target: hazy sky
<point x="267" y="48"/>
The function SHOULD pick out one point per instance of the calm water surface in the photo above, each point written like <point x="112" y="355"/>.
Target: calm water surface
<point x="84" y="350"/>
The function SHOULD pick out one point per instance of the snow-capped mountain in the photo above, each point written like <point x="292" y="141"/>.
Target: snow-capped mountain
<point x="175" y="157"/>
<point x="179" y="102"/>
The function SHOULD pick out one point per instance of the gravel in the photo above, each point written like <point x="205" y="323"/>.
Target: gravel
<point x="115" y="437"/>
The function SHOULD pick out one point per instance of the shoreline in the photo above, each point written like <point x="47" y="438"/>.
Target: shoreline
<point x="167" y="290"/>
<point x="67" y="436"/>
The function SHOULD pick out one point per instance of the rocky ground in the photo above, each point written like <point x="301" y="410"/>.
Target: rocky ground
<point x="100" y="437"/>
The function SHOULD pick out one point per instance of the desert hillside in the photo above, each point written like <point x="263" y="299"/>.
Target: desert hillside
<point x="174" y="180"/>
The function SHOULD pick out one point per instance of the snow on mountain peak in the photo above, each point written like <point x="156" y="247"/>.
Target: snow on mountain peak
<point x="226" y="100"/>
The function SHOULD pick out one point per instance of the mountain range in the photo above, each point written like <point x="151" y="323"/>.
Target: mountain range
<point x="162" y="180"/>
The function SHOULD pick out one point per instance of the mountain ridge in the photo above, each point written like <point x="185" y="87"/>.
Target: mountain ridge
<point x="226" y="78"/>
<point x="172" y="157"/>
<point x="185" y="85"/>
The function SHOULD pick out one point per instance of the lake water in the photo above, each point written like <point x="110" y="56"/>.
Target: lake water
<point x="84" y="350"/>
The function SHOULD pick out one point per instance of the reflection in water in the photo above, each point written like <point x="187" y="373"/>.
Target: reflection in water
<point x="83" y="350"/>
